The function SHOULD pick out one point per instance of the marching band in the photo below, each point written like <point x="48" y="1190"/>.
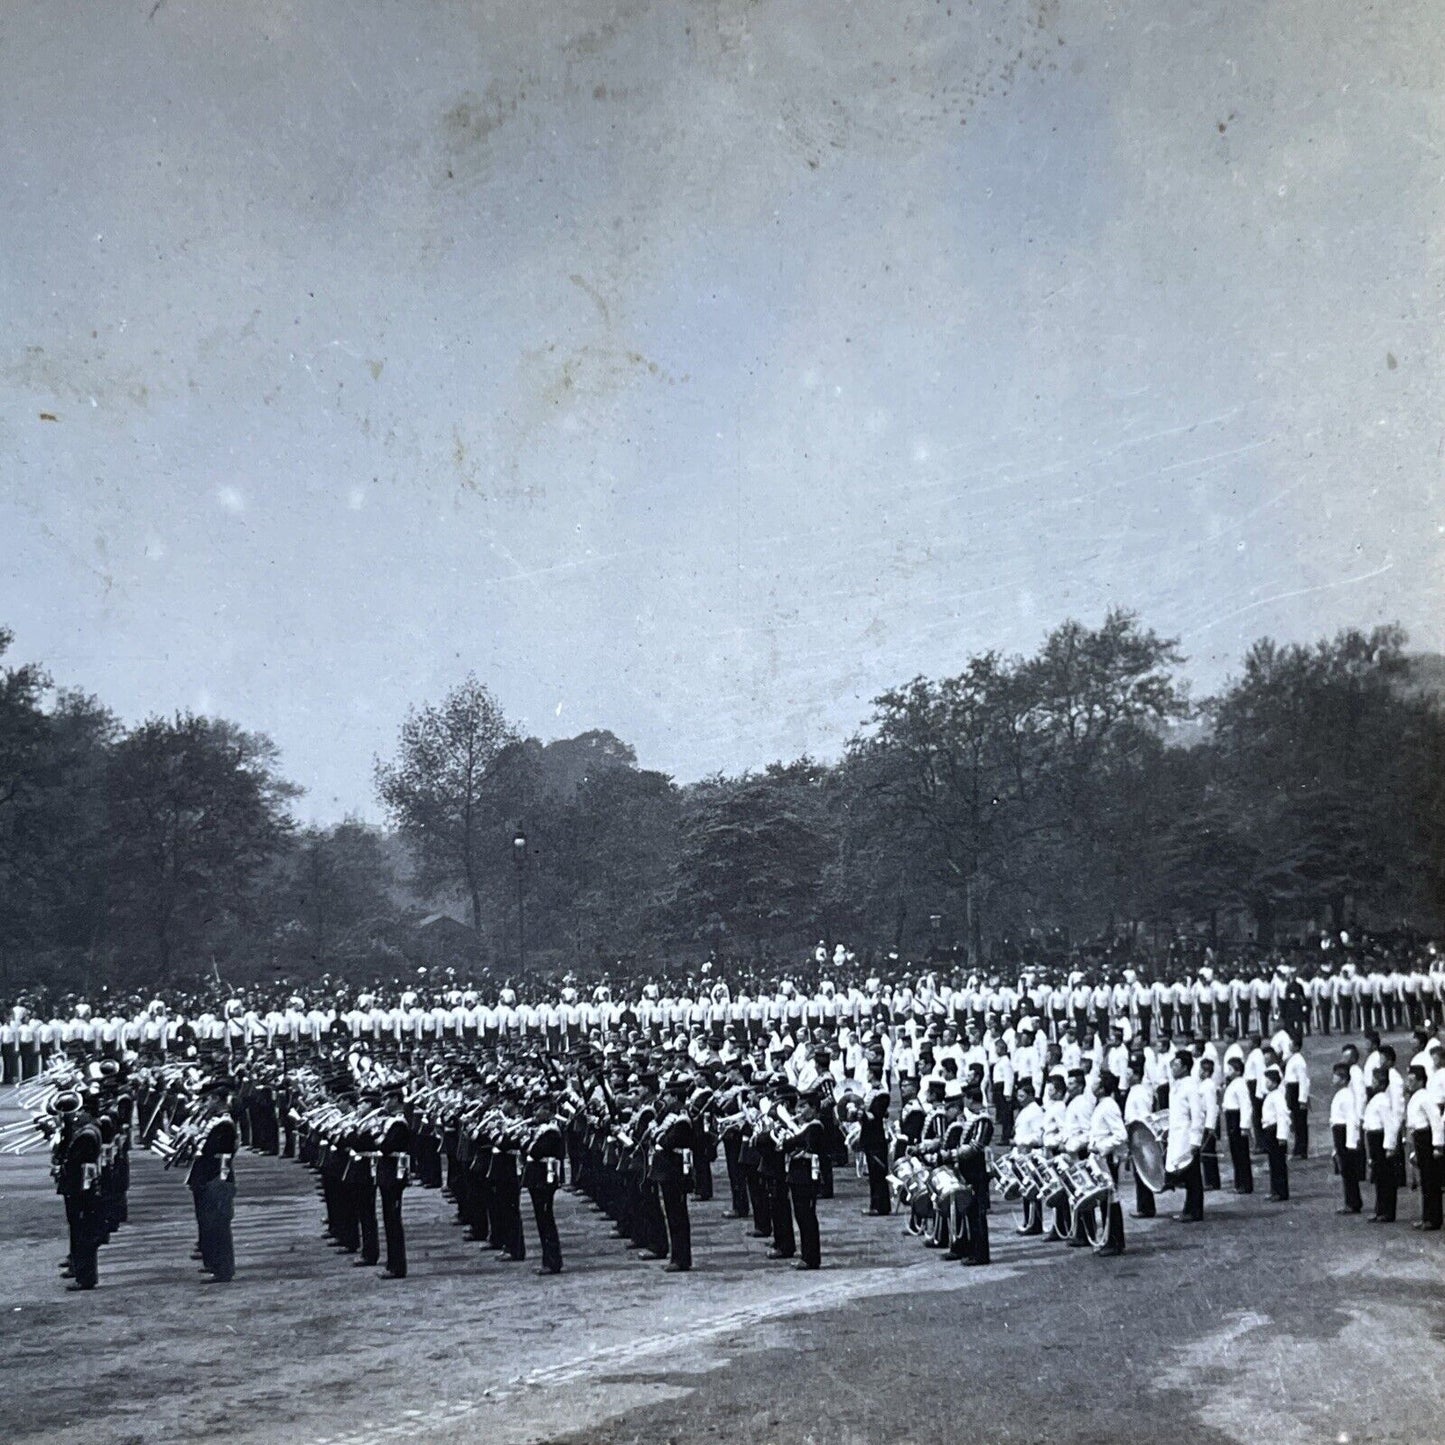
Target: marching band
<point x="1038" y="1093"/>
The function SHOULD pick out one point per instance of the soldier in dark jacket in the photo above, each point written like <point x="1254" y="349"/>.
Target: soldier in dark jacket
<point x="78" y="1183"/>
<point x="213" y="1180"/>
<point x="804" y="1149"/>
<point x="541" y="1175"/>
<point x="670" y="1169"/>
<point x="393" y="1173"/>
<point x="873" y="1140"/>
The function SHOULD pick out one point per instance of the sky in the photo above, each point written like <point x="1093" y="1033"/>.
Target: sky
<point x="698" y="369"/>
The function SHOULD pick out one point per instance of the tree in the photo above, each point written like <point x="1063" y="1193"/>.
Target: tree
<point x="197" y="812"/>
<point x="335" y="895"/>
<point x="52" y="819"/>
<point x="606" y="855"/>
<point x="445" y="791"/>
<point x="1311" y="744"/>
<point x="957" y="758"/>
<point x="752" y="852"/>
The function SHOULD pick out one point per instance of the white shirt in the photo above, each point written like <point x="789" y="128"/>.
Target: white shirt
<point x="1139" y="1103"/>
<point x="1343" y="1113"/>
<point x="1107" y="1134"/>
<point x="1186" y="1123"/>
<point x="1274" y="1114"/>
<point x="1421" y="1113"/>
<point x="1029" y="1126"/>
<point x="1380" y="1118"/>
<point x="1296" y="1071"/>
<point x="1077" y="1113"/>
<point x="1237" y="1098"/>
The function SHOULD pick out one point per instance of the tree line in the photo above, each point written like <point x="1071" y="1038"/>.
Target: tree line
<point x="1067" y="796"/>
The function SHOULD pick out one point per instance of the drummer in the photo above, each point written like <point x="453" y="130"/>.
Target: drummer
<point x="1108" y="1141"/>
<point x="1029" y="1135"/>
<point x="1138" y="1106"/>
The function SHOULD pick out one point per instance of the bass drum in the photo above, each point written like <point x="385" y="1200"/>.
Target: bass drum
<point x="1148" y="1148"/>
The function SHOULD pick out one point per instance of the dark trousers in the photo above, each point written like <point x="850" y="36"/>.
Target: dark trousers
<point x="1352" y="1169"/>
<point x="479" y="1201"/>
<point x="1191" y="1179"/>
<point x="394" y="1230"/>
<point x="1382" y="1173"/>
<point x="1429" y="1169"/>
<point x="1278" y="1151"/>
<point x="364" y="1197"/>
<point x="1209" y="1159"/>
<point x="737" y="1177"/>
<point x="1299" y="1119"/>
<point x="825" y="1176"/>
<point x="1143" y="1199"/>
<point x="879" y="1199"/>
<point x="1003" y="1113"/>
<point x="1234" y="1128"/>
<point x="679" y="1230"/>
<point x="784" y="1241"/>
<point x="702" y="1189"/>
<point x="762" y="1202"/>
<point x="975" y="1225"/>
<point x="542" y="1199"/>
<point x="506" y="1218"/>
<point x="86" y="1227"/>
<point x="805" y="1211"/>
<point x="215" y="1207"/>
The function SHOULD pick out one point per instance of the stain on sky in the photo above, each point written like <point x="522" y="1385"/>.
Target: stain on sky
<point x="703" y="369"/>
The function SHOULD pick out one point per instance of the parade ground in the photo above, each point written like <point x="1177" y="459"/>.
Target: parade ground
<point x="1269" y="1322"/>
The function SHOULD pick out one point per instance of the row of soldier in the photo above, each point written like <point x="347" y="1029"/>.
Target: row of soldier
<point x="1347" y="997"/>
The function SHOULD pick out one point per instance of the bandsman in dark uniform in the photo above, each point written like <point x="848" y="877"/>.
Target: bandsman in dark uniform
<point x="730" y="1118"/>
<point x="671" y="1168"/>
<point x="803" y="1148"/>
<point x="364" y="1153"/>
<point x="773" y="1168"/>
<point x="971" y="1164"/>
<point x="393" y="1174"/>
<point x="212" y="1179"/>
<point x="541" y="1175"/>
<point x="873" y="1140"/>
<point x="77" y="1178"/>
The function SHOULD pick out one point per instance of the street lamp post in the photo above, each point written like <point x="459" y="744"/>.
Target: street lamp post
<point x="519" y="857"/>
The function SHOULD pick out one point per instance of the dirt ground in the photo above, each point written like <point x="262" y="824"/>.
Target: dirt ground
<point x="1279" y="1323"/>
